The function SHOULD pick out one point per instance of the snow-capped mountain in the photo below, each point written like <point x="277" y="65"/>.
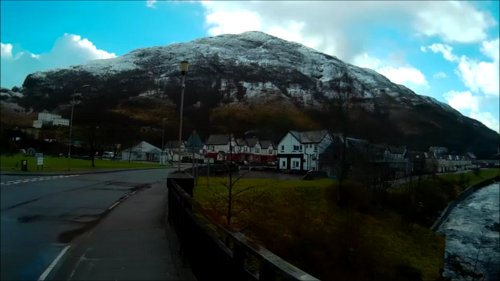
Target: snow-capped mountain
<point x="255" y="65"/>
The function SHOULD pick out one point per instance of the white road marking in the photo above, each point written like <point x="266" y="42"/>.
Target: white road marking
<point x="53" y="264"/>
<point x="114" y="205"/>
<point x="36" y="179"/>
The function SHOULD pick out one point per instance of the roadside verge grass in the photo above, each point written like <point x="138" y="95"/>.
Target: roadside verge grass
<point x="8" y="164"/>
<point x="299" y="221"/>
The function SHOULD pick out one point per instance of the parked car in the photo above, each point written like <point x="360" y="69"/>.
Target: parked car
<point x="108" y="154"/>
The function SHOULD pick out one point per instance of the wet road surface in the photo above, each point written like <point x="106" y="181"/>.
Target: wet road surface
<point x="40" y="216"/>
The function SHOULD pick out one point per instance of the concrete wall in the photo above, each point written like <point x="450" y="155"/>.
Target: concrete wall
<point x="466" y="193"/>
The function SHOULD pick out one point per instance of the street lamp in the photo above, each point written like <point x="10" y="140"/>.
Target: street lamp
<point x="162" y="138"/>
<point x="71" y="122"/>
<point x="184" y="70"/>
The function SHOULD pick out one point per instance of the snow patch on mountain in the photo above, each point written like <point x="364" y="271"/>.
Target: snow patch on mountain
<point x="302" y="71"/>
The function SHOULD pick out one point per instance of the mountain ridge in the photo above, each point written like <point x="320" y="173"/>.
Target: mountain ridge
<point x="254" y="65"/>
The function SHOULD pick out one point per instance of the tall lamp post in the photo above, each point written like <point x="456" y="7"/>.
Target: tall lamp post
<point x="162" y="145"/>
<point x="71" y="122"/>
<point x="184" y="70"/>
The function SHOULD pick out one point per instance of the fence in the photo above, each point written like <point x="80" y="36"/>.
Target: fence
<point x="200" y="239"/>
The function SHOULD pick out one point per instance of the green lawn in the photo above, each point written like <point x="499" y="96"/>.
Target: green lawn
<point x="61" y="164"/>
<point x="298" y="222"/>
<point x="484" y="174"/>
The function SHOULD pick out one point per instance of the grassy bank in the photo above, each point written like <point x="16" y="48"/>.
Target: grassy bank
<point x="8" y="164"/>
<point x="299" y="221"/>
<point x="471" y="177"/>
<point x="423" y="201"/>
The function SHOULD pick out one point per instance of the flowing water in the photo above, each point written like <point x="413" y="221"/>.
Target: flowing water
<point x="472" y="237"/>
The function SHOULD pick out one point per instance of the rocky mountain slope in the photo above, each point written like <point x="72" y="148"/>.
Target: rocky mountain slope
<point x="255" y="67"/>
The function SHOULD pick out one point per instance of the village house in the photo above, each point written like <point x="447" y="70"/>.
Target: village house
<point x="171" y="150"/>
<point x="248" y="150"/>
<point x="363" y="160"/>
<point x="219" y="148"/>
<point x="268" y="152"/>
<point x="300" y="150"/>
<point x="143" y="151"/>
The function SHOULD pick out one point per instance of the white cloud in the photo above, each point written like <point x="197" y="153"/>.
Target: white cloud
<point x="440" y="75"/>
<point x="445" y="50"/>
<point x="151" y="4"/>
<point x="487" y="119"/>
<point x="6" y="51"/>
<point x="469" y="104"/>
<point x="462" y="100"/>
<point x="67" y="50"/>
<point x="452" y="21"/>
<point x="398" y="72"/>
<point x="478" y="76"/>
<point x="332" y="27"/>
<point x="482" y="75"/>
<point x="408" y="76"/>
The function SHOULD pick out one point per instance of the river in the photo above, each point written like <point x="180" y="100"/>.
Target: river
<point x="472" y="237"/>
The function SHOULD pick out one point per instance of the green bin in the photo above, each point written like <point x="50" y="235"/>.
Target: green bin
<point x="24" y="165"/>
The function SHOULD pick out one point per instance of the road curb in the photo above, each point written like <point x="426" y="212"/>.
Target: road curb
<point x="77" y="173"/>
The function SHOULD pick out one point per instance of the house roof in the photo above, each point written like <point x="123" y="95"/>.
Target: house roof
<point x="416" y="155"/>
<point x="173" y="144"/>
<point x="154" y="150"/>
<point x="429" y="155"/>
<point x="194" y="142"/>
<point x="217" y="140"/>
<point x="251" y="142"/>
<point x="471" y="155"/>
<point x="397" y="149"/>
<point x="309" y="136"/>
<point x="142" y="147"/>
<point x="265" y="144"/>
<point x="240" y="142"/>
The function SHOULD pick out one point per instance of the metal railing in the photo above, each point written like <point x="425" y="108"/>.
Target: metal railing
<point x="238" y="258"/>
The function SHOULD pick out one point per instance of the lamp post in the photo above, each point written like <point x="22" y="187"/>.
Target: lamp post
<point x="184" y="70"/>
<point x="71" y="123"/>
<point x="162" y="145"/>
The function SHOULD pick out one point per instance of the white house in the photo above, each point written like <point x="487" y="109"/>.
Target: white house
<point x="171" y="150"/>
<point x="301" y="150"/>
<point x="268" y="152"/>
<point x="220" y="143"/>
<point x="142" y="152"/>
<point x="50" y="119"/>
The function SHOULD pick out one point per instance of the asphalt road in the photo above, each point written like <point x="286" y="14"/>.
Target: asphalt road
<point x="41" y="214"/>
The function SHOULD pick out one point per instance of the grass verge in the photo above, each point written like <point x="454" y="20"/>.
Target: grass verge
<point x="53" y="165"/>
<point x="298" y="221"/>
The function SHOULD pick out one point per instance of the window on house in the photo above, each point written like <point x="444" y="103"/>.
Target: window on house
<point x="315" y="148"/>
<point x="270" y="151"/>
<point x="300" y="148"/>
<point x="296" y="148"/>
<point x="282" y="147"/>
<point x="257" y="150"/>
<point x="283" y="163"/>
<point x="295" y="164"/>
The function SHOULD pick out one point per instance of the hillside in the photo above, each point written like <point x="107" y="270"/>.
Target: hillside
<point x="258" y="70"/>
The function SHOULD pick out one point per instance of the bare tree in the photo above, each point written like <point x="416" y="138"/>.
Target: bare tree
<point x="233" y="199"/>
<point x="338" y="107"/>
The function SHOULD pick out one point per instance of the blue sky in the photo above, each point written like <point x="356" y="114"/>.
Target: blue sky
<point x="447" y="50"/>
